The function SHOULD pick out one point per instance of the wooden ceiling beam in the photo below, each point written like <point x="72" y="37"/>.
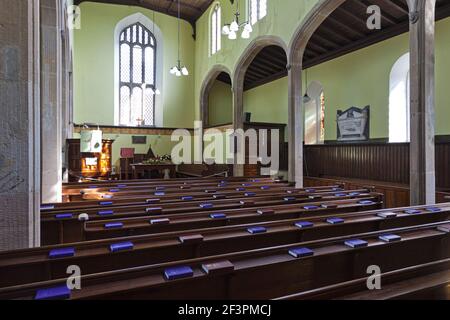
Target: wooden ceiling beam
<point x="346" y="27"/>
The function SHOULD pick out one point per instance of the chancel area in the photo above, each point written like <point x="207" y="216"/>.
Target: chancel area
<point x="224" y="150"/>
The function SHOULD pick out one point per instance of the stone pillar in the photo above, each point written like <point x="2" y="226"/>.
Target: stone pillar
<point x="422" y="154"/>
<point x="19" y="124"/>
<point x="238" y="122"/>
<point x="51" y="101"/>
<point x="295" y="125"/>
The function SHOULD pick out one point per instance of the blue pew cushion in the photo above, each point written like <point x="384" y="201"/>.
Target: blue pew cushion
<point x="433" y="209"/>
<point x="387" y="215"/>
<point x="107" y="196"/>
<point x="121" y="186"/>
<point x="93" y="187"/>
<point x="122" y="246"/>
<point x="288" y="199"/>
<point x="206" y="205"/>
<point x="178" y="273"/>
<point x="218" y="215"/>
<point x="160" y="221"/>
<point x="336" y="189"/>
<point x="340" y="194"/>
<point x="246" y="184"/>
<point x="354" y="194"/>
<point x="250" y="194"/>
<point x="114" y="190"/>
<point x="218" y="268"/>
<point x="155" y="200"/>
<point x="219" y="196"/>
<point x="240" y="189"/>
<point x="47" y="207"/>
<point x="114" y="225"/>
<point x="304" y="224"/>
<point x="265" y="188"/>
<point x="265" y="211"/>
<point x="390" y="237"/>
<point x="210" y="191"/>
<point x="335" y="220"/>
<point x="191" y="239"/>
<point x="301" y="252"/>
<point x="159" y="193"/>
<point x="315" y="197"/>
<point x="187" y="198"/>
<point x="412" y="211"/>
<point x="61" y="253"/>
<point x="105" y="212"/>
<point x="54" y="293"/>
<point x="329" y="206"/>
<point x="105" y="203"/>
<point x="160" y="188"/>
<point x="356" y="243"/>
<point x="256" y="230"/>
<point x="157" y="210"/>
<point x="366" y="202"/>
<point x="310" y="190"/>
<point x="64" y="216"/>
<point x="310" y="207"/>
<point x="291" y="191"/>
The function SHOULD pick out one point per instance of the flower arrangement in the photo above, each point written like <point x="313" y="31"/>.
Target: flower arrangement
<point x="159" y="160"/>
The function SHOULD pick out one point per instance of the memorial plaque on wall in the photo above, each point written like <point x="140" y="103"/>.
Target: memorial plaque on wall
<point x="139" y="139"/>
<point x="353" y="124"/>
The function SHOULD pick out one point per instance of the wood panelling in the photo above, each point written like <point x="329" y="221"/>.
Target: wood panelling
<point x="395" y="195"/>
<point x="387" y="162"/>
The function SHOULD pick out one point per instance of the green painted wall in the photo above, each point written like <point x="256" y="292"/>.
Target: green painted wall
<point x="283" y="18"/>
<point x="93" y="62"/>
<point x="358" y="79"/>
<point x="220" y="104"/>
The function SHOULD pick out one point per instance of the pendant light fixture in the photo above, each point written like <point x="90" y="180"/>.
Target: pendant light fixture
<point x="306" y="97"/>
<point x="232" y="29"/>
<point x="178" y="70"/>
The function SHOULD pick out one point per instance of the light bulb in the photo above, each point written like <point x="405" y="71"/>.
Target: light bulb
<point x="234" y="26"/>
<point x="226" y="29"/>
<point x="245" y="34"/>
<point x="178" y="73"/>
<point x="157" y="92"/>
<point x="185" y="71"/>
<point x="248" y="28"/>
<point x="232" y="35"/>
<point x="173" y="70"/>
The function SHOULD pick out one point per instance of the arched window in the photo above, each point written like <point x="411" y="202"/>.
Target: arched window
<point x="399" y="101"/>
<point x="257" y="10"/>
<point x="216" y="29"/>
<point x="315" y="114"/>
<point x="137" y="85"/>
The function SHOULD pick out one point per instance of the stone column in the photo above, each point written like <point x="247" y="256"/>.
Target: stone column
<point x="238" y="122"/>
<point x="19" y="124"/>
<point x="295" y="124"/>
<point x="51" y="101"/>
<point x="422" y="154"/>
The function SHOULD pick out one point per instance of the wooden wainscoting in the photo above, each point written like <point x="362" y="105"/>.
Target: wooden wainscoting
<point x="387" y="162"/>
<point x="395" y="195"/>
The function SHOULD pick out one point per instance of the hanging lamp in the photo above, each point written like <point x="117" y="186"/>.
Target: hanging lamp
<point x="232" y="29"/>
<point x="178" y="70"/>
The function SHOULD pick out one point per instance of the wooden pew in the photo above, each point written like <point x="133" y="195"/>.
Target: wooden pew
<point x="428" y="280"/>
<point x="93" y="257"/>
<point x="72" y="230"/>
<point x="262" y="273"/>
<point x="172" y="195"/>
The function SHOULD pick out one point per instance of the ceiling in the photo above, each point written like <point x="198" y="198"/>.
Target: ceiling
<point x="342" y="32"/>
<point x="345" y="30"/>
<point x="190" y="10"/>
